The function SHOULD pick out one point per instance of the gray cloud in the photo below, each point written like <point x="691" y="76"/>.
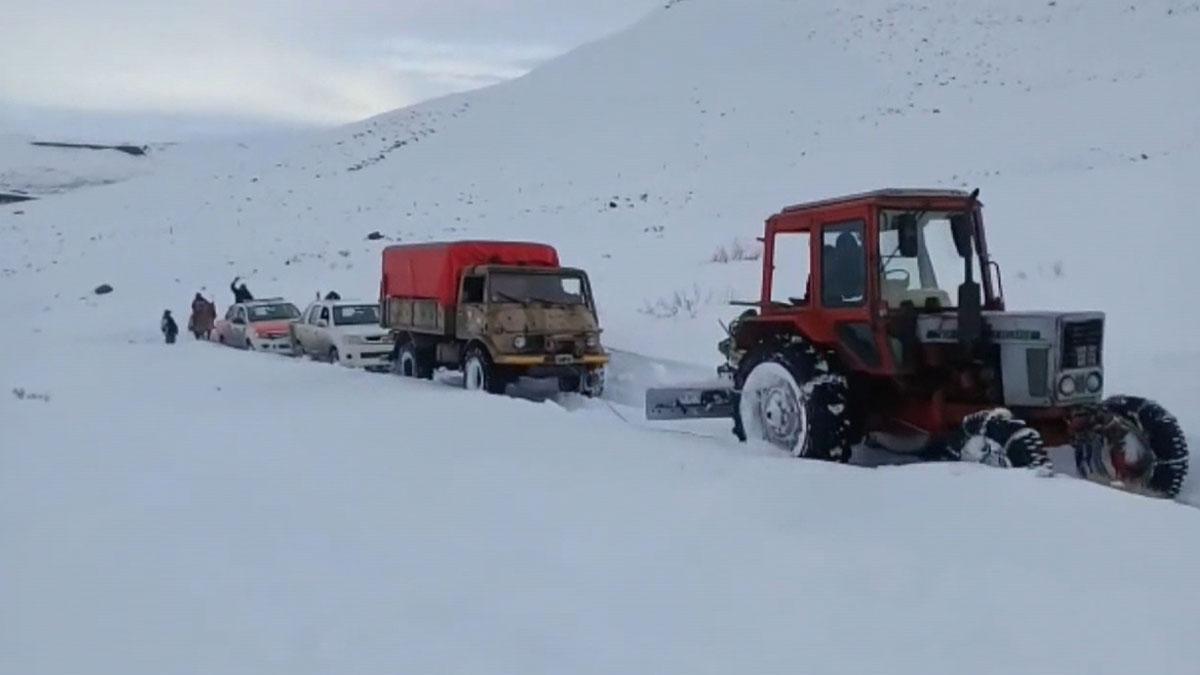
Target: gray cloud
<point x="123" y="64"/>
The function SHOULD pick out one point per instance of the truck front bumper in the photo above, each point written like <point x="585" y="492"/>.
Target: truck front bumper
<point x="552" y="360"/>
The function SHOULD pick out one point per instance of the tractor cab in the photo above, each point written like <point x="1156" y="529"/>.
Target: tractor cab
<point x="854" y="274"/>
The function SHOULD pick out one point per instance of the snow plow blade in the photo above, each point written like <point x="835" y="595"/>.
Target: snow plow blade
<point x="677" y="403"/>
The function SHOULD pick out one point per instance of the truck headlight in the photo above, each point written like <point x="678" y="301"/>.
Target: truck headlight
<point x="592" y="341"/>
<point x="1094" y="383"/>
<point x="520" y="342"/>
<point x="1066" y="386"/>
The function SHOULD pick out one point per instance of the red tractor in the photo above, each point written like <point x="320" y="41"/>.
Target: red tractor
<point x="882" y="321"/>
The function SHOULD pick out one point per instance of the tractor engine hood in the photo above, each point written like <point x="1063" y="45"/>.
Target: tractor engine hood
<point x="1004" y="327"/>
<point x="1046" y="358"/>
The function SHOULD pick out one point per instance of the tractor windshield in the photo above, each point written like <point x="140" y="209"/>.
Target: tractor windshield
<point x="930" y="279"/>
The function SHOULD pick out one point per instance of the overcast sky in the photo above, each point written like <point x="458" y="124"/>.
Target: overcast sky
<point x="159" y="69"/>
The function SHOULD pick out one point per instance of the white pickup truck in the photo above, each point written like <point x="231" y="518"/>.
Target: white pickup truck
<point x="345" y="332"/>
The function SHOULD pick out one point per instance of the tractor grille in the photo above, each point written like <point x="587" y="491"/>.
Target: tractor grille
<point x="1082" y="343"/>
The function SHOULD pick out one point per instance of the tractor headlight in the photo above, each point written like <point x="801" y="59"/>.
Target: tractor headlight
<point x="592" y="341"/>
<point x="1066" y="386"/>
<point x="520" y="342"/>
<point x="1094" y="382"/>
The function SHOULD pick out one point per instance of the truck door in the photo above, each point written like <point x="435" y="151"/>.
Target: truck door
<point x="471" y="315"/>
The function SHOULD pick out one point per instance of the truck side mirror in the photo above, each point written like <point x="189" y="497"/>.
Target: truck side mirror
<point x="909" y="235"/>
<point x="962" y="227"/>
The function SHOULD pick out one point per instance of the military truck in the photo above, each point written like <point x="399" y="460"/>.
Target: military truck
<point x="882" y="321"/>
<point x="495" y="310"/>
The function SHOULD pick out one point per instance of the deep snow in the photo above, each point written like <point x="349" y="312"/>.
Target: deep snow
<point x="193" y="509"/>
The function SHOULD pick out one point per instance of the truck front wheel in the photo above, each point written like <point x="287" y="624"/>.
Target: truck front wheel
<point x="480" y="374"/>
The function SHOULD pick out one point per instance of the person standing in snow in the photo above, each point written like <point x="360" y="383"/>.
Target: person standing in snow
<point x="240" y="293"/>
<point x="169" y="328"/>
<point x="204" y="316"/>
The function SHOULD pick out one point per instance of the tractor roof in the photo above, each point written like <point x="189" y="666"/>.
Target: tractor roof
<point x="881" y="195"/>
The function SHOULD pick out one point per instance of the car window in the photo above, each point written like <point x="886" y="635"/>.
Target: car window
<point x="356" y="315"/>
<point x="324" y="314"/>
<point x="229" y="313"/>
<point x="276" y="312"/>
<point x="311" y="316"/>
<point x="241" y="313"/>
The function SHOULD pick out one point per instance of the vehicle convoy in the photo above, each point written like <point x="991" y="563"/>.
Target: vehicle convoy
<point x="882" y="320"/>
<point x="259" y="325"/>
<point x="345" y="332"/>
<point x="496" y="310"/>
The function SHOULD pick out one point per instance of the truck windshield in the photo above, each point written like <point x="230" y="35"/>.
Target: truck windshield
<point x="931" y="279"/>
<point x="551" y="289"/>
<point x="279" y="312"/>
<point x="355" y="315"/>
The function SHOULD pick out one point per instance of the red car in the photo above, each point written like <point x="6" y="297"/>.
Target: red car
<point x="259" y="325"/>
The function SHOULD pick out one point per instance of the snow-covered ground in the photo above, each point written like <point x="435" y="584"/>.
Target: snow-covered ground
<point x="193" y="509"/>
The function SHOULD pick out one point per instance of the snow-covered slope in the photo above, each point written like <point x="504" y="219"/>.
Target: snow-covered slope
<point x="196" y="509"/>
<point x="39" y="170"/>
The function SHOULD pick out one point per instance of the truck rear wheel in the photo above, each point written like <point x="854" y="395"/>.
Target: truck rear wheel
<point x="791" y="397"/>
<point x="480" y="374"/>
<point x="1132" y="443"/>
<point x="412" y="361"/>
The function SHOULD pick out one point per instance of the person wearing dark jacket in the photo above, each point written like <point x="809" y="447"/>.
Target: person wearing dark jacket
<point x="169" y="328"/>
<point x="204" y="315"/>
<point x="240" y="293"/>
<point x="332" y="295"/>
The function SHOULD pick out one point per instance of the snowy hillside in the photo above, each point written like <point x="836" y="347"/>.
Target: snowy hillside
<point x="40" y="168"/>
<point x="199" y="510"/>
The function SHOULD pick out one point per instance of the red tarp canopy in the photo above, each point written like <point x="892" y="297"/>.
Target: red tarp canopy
<point x="432" y="271"/>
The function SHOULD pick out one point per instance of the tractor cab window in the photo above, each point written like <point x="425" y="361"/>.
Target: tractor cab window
<point x="843" y="265"/>
<point x="790" y="281"/>
<point x="930" y="279"/>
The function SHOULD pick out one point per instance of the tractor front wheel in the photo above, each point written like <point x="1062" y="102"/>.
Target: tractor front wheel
<point x="996" y="438"/>
<point x="1133" y="444"/>
<point x="791" y="398"/>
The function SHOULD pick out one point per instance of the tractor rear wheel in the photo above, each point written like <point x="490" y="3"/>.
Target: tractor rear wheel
<point x="790" y="396"/>
<point x="1132" y="443"/>
<point x="996" y="438"/>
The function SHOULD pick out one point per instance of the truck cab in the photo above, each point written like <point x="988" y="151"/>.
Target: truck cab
<point x="530" y="316"/>
<point x="498" y="311"/>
